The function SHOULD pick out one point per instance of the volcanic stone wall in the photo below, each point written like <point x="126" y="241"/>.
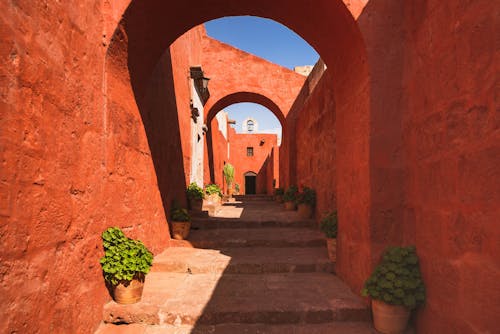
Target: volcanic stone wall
<point x="451" y="127"/>
<point x="434" y="154"/>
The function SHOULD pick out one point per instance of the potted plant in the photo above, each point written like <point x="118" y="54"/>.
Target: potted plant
<point x="306" y="200"/>
<point x="124" y="265"/>
<point x="396" y="287"/>
<point x="290" y="197"/>
<point x="195" y="197"/>
<point x="181" y="223"/>
<point x="329" y="226"/>
<point x="278" y="194"/>
<point x="228" y="172"/>
<point x="236" y="188"/>
<point x="213" y="194"/>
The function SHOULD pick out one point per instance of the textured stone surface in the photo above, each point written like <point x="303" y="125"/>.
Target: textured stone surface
<point x="225" y="298"/>
<point x="332" y="328"/>
<point x="241" y="260"/>
<point x="269" y="237"/>
<point x="452" y="142"/>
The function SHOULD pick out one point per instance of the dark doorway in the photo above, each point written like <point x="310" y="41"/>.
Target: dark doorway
<point x="250" y="183"/>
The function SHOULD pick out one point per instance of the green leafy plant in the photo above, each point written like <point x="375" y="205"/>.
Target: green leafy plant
<point x="124" y="258"/>
<point x="211" y="189"/>
<point x="237" y="187"/>
<point x="180" y="215"/>
<point x="279" y="191"/>
<point x="228" y="172"/>
<point x="291" y="194"/>
<point x="397" y="279"/>
<point x="329" y="224"/>
<point x="307" y="196"/>
<point x="194" y="191"/>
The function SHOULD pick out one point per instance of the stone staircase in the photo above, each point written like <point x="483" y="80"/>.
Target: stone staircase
<point x="265" y="272"/>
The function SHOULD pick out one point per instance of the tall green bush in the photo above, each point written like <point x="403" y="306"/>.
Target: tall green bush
<point x="228" y="172"/>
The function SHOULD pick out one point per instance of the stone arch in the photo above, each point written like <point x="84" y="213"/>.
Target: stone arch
<point x="233" y="98"/>
<point x="149" y="27"/>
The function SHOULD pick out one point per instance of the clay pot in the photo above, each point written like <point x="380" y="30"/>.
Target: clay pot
<point x="129" y="294"/>
<point x="180" y="230"/>
<point x="230" y="192"/>
<point x="279" y="198"/>
<point x="195" y="204"/>
<point x="305" y="211"/>
<point x="213" y="199"/>
<point x="331" y="245"/>
<point x="289" y="205"/>
<point x="389" y="319"/>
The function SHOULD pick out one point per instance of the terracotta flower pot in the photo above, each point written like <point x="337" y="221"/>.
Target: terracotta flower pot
<point x="290" y="205"/>
<point x="389" y="319"/>
<point x="213" y="199"/>
<point x="331" y="245"/>
<point x="195" y="204"/>
<point x="180" y="230"/>
<point x="279" y="198"/>
<point x="305" y="211"/>
<point x="130" y="294"/>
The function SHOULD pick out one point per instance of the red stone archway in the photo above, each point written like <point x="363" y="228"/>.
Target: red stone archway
<point x="238" y="76"/>
<point x="239" y="97"/>
<point x="148" y="28"/>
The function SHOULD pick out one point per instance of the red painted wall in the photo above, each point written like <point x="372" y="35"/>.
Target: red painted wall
<point x="434" y="149"/>
<point x="186" y="51"/>
<point x="315" y="165"/>
<point x="451" y="137"/>
<point x="242" y="163"/>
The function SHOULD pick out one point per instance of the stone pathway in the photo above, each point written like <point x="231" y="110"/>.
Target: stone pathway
<point x="264" y="272"/>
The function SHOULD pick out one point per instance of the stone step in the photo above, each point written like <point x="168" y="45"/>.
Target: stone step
<point x="211" y="299"/>
<point x="267" y="237"/>
<point x="248" y="198"/>
<point x="257" y="222"/>
<point x="328" y="328"/>
<point x="241" y="260"/>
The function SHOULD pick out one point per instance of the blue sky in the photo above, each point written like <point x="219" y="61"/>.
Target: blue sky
<point x="269" y="40"/>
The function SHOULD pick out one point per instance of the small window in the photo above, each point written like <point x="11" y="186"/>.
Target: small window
<point x="250" y="126"/>
<point x="249" y="151"/>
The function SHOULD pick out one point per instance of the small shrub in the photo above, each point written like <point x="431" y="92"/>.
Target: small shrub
<point x="397" y="279"/>
<point x="279" y="191"/>
<point x="194" y="191"/>
<point x="307" y="196"/>
<point x="237" y="187"/>
<point x="180" y="215"/>
<point x="213" y="189"/>
<point x="228" y="172"/>
<point x="329" y="224"/>
<point x="124" y="258"/>
<point x="291" y="194"/>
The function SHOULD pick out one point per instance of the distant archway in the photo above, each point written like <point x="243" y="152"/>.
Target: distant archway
<point x="246" y="97"/>
<point x="149" y="27"/>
